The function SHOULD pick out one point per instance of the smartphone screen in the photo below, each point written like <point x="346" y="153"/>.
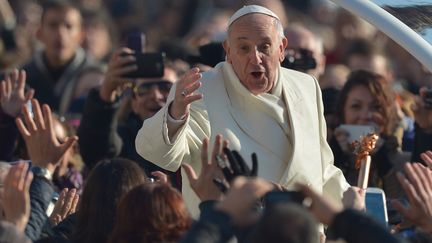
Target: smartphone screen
<point x="376" y="205"/>
<point x="356" y="131"/>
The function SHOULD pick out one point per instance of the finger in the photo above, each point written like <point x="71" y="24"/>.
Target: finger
<point x="21" y="128"/>
<point x="74" y="203"/>
<point x="424" y="175"/>
<point x="400" y="208"/>
<point x="22" y="176"/>
<point x="187" y="83"/>
<point x="31" y="126"/>
<point x="47" y="116"/>
<point x="8" y="84"/>
<point x="21" y="80"/>
<point x="243" y="167"/>
<point x="14" y="77"/>
<point x="414" y="178"/>
<point x="192" y="87"/>
<point x="37" y="112"/>
<point x="3" y="91"/>
<point x="232" y="161"/>
<point x="254" y="171"/>
<point x="408" y="188"/>
<point x="70" y="141"/>
<point x="217" y="148"/>
<point x="122" y="60"/>
<point x="119" y="72"/>
<point x="120" y="52"/>
<point x="68" y="203"/>
<point x="190" y="173"/>
<point x="160" y="176"/>
<point x="29" y="94"/>
<point x="189" y="77"/>
<point x="191" y="98"/>
<point x="204" y="153"/>
<point x="220" y="185"/>
<point x="60" y="202"/>
<point x="28" y="180"/>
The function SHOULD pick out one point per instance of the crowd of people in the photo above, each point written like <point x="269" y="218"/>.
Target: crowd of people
<point x="207" y="121"/>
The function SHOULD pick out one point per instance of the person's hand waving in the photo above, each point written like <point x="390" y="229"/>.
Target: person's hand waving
<point x="43" y="147"/>
<point x="203" y="185"/>
<point x="12" y="95"/>
<point x="184" y="93"/>
<point x="16" y="202"/>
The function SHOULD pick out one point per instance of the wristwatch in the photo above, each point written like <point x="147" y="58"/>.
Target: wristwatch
<point x="41" y="172"/>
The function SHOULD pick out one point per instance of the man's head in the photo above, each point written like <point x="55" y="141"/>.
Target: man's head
<point x="255" y="47"/>
<point x="363" y="55"/>
<point x="301" y="38"/>
<point x="60" y="31"/>
<point x="150" y="94"/>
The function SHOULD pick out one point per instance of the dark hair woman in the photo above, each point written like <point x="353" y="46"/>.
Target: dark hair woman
<point x="153" y="212"/>
<point x="365" y="100"/>
<point x="107" y="183"/>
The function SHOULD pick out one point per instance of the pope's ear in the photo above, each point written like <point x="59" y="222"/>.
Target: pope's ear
<point x="283" y="46"/>
<point x="227" y="50"/>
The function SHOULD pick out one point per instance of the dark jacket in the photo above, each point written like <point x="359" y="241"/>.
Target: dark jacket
<point x="56" y="87"/>
<point x="422" y="143"/>
<point x="102" y="137"/>
<point x="41" y="193"/>
<point x="355" y="227"/>
<point x="9" y="135"/>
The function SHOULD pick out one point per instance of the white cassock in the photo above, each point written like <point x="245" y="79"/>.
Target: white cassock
<point x="286" y="129"/>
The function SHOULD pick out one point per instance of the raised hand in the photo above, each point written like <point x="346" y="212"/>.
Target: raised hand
<point x="417" y="185"/>
<point x="427" y="158"/>
<point x="119" y="65"/>
<point x="322" y="208"/>
<point x="160" y="176"/>
<point x="42" y="145"/>
<point x="184" y="93"/>
<point x="203" y="184"/>
<point x="237" y="166"/>
<point x="354" y="198"/>
<point x="241" y="199"/>
<point x="65" y="206"/>
<point x="12" y="96"/>
<point x="16" y="201"/>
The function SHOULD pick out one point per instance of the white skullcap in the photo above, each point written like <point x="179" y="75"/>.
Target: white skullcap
<point x="249" y="9"/>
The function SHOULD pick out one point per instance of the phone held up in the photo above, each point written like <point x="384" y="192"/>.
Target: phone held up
<point x="150" y="64"/>
<point x="376" y="204"/>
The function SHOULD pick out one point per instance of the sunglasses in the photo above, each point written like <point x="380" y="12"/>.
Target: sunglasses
<point x="143" y="89"/>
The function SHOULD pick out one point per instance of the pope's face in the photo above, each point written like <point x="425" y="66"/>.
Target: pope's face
<point x="255" y="49"/>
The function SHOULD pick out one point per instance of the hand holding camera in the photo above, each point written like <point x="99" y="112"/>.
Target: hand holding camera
<point x="115" y="77"/>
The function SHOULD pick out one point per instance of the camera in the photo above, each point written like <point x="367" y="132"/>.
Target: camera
<point x="150" y="64"/>
<point x="299" y="59"/>
<point x="276" y="197"/>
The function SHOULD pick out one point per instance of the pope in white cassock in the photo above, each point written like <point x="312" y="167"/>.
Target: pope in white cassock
<point x="254" y="103"/>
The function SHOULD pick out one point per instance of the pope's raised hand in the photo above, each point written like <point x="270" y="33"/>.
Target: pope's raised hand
<point x="185" y="93"/>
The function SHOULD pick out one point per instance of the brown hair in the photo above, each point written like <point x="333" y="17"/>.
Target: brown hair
<point x="375" y="83"/>
<point x="107" y="183"/>
<point x="153" y="212"/>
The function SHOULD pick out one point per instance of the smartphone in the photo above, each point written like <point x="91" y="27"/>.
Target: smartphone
<point x="356" y="131"/>
<point x="150" y="64"/>
<point x="276" y="197"/>
<point x="376" y="204"/>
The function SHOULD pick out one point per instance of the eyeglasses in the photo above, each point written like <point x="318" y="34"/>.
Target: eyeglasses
<point x="143" y="89"/>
